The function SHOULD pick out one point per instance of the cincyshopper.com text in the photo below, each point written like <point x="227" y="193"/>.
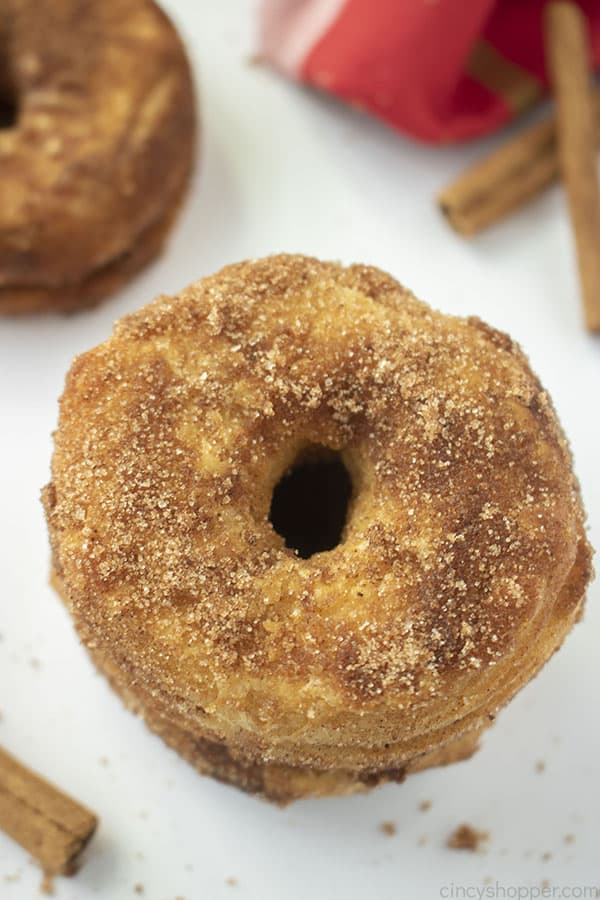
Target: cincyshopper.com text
<point x="499" y="891"/>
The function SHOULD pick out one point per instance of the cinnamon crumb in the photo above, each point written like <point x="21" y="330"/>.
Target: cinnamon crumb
<point x="465" y="837"/>
<point x="540" y="765"/>
<point x="232" y="881"/>
<point x="425" y="805"/>
<point x="388" y="828"/>
<point x="138" y="888"/>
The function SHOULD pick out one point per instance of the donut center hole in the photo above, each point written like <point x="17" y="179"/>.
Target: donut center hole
<point x="8" y="113"/>
<point x="9" y="102"/>
<point x="309" y="506"/>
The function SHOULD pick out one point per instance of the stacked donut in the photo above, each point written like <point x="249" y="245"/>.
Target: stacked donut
<point x="286" y="654"/>
<point x="96" y="149"/>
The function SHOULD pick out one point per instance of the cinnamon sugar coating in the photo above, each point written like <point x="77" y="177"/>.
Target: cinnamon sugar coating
<point x="94" y="168"/>
<point x="461" y="568"/>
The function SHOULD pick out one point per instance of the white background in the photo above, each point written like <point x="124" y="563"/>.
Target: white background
<point x="284" y="169"/>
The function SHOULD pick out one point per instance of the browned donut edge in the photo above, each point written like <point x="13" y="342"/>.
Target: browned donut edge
<point x="17" y="301"/>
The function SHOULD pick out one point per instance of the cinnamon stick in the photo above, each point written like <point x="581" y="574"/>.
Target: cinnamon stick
<point x="569" y="67"/>
<point x="51" y="826"/>
<point x="508" y="178"/>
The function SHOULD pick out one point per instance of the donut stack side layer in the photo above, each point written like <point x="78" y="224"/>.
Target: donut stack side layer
<point x="107" y="280"/>
<point x="237" y="762"/>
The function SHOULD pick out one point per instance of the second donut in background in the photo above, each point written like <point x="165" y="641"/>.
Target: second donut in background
<point x="96" y="148"/>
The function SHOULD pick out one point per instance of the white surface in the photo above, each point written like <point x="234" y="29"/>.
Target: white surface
<point x="283" y="169"/>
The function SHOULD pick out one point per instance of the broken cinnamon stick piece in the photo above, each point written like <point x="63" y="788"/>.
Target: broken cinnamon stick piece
<point x="568" y="61"/>
<point x="508" y="178"/>
<point x="51" y="826"/>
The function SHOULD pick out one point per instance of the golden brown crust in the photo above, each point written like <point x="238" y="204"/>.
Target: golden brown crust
<point x="462" y="566"/>
<point x="101" y="152"/>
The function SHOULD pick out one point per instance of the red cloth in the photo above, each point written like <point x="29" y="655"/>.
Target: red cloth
<point x="440" y="70"/>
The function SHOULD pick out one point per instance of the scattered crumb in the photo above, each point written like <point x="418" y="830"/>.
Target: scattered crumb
<point x="545" y="883"/>
<point x="546" y="856"/>
<point x="425" y="805"/>
<point x="540" y="766"/>
<point x="488" y="879"/>
<point x="465" y="837"/>
<point x="103" y="761"/>
<point x="255" y="59"/>
<point x="388" y="828"/>
<point x="232" y="881"/>
<point x="47" y="884"/>
<point x="138" y="888"/>
<point x="422" y="840"/>
<point x="569" y="838"/>
<point x="35" y="663"/>
<point x="12" y="877"/>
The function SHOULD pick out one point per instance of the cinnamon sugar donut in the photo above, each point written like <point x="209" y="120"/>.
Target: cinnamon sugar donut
<point x="96" y="148"/>
<point x="316" y="533"/>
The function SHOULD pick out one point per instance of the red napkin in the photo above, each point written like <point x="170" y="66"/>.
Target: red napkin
<point x="440" y="70"/>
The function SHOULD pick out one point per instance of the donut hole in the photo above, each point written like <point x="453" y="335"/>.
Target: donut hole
<point x="8" y="113"/>
<point x="9" y="102"/>
<point x="309" y="507"/>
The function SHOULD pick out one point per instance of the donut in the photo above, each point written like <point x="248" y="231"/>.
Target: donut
<point x="314" y="532"/>
<point x="96" y="147"/>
